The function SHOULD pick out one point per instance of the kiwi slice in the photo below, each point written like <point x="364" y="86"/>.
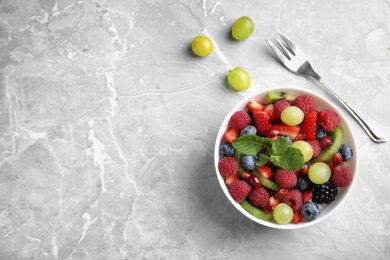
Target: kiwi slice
<point x="274" y="96"/>
<point x="269" y="183"/>
<point x="255" y="211"/>
<point x="238" y="157"/>
<point x="327" y="152"/>
<point x="266" y="182"/>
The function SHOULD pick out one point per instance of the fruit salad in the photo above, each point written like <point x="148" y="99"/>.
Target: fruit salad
<point x="284" y="159"/>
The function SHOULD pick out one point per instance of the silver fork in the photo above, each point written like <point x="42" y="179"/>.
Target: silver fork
<point x="297" y="62"/>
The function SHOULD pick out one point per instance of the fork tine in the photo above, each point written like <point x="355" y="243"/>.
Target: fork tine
<point x="289" y="43"/>
<point x="282" y="57"/>
<point x="286" y="51"/>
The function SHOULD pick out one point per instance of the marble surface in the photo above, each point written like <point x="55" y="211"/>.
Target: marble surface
<point x="108" y="124"/>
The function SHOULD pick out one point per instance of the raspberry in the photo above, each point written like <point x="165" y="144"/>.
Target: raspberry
<point x="285" y="179"/>
<point x="239" y="189"/>
<point x="342" y="176"/>
<point x="316" y="147"/>
<point x="259" y="197"/>
<point x="294" y="199"/>
<point x="279" y="106"/>
<point x="228" y="166"/>
<point x="305" y="103"/>
<point x="240" y="120"/>
<point x="328" y="120"/>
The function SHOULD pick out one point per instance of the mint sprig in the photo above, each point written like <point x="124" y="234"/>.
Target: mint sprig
<point x="278" y="152"/>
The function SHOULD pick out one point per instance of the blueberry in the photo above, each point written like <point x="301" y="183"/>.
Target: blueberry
<point x="249" y="162"/>
<point x="311" y="210"/>
<point x="226" y="149"/>
<point x="320" y="133"/>
<point x="249" y="130"/>
<point x="303" y="183"/>
<point x="346" y="152"/>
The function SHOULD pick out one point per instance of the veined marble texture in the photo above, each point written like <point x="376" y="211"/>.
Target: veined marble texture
<point x="108" y="124"/>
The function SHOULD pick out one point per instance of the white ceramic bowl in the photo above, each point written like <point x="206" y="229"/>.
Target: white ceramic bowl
<point x="349" y="138"/>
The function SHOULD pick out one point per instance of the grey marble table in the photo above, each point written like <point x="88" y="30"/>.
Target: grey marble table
<point x="108" y="124"/>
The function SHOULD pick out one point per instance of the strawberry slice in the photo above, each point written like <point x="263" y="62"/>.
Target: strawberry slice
<point x="261" y="121"/>
<point x="308" y="125"/>
<point x="230" y="179"/>
<point x="253" y="105"/>
<point x="231" y="134"/>
<point x="265" y="171"/>
<point x="269" y="109"/>
<point x="291" y="131"/>
<point x="297" y="217"/>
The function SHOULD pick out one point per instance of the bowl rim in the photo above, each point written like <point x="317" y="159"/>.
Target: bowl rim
<point x="354" y="163"/>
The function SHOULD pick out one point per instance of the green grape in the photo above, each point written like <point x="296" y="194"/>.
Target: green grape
<point x="292" y="116"/>
<point x="202" y="45"/>
<point x="239" y="79"/>
<point x="319" y="173"/>
<point x="242" y="28"/>
<point x="305" y="148"/>
<point x="283" y="214"/>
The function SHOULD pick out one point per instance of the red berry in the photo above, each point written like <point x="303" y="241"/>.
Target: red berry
<point x="253" y="105"/>
<point x="281" y="193"/>
<point x="294" y="199"/>
<point x="279" y="106"/>
<point x="307" y="196"/>
<point x="308" y="125"/>
<point x="239" y="189"/>
<point x="240" y="120"/>
<point x="231" y="134"/>
<point x="285" y="179"/>
<point x="342" y="176"/>
<point x="297" y="217"/>
<point x="268" y="209"/>
<point x="300" y="136"/>
<point x="328" y="120"/>
<point x="258" y="197"/>
<point x="337" y="158"/>
<point x="316" y="147"/>
<point x="228" y="166"/>
<point x="246" y="175"/>
<point x="305" y="103"/>
<point x="255" y="181"/>
<point x="265" y="171"/>
<point x="304" y="170"/>
<point x="261" y="121"/>
<point x="326" y="141"/>
<point x="273" y="202"/>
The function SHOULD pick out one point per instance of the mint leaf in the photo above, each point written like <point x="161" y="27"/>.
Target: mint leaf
<point x="262" y="159"/>
<point x="278" y="151"/>
<point x="279" y="146"/>
<point x="251" y="144"/>
<point x="291" y="159"/>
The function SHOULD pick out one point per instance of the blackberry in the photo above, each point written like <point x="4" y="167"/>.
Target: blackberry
<point x="324" y="193"/>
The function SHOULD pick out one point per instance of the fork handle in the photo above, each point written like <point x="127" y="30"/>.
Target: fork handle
<point x="376" y="131"/>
